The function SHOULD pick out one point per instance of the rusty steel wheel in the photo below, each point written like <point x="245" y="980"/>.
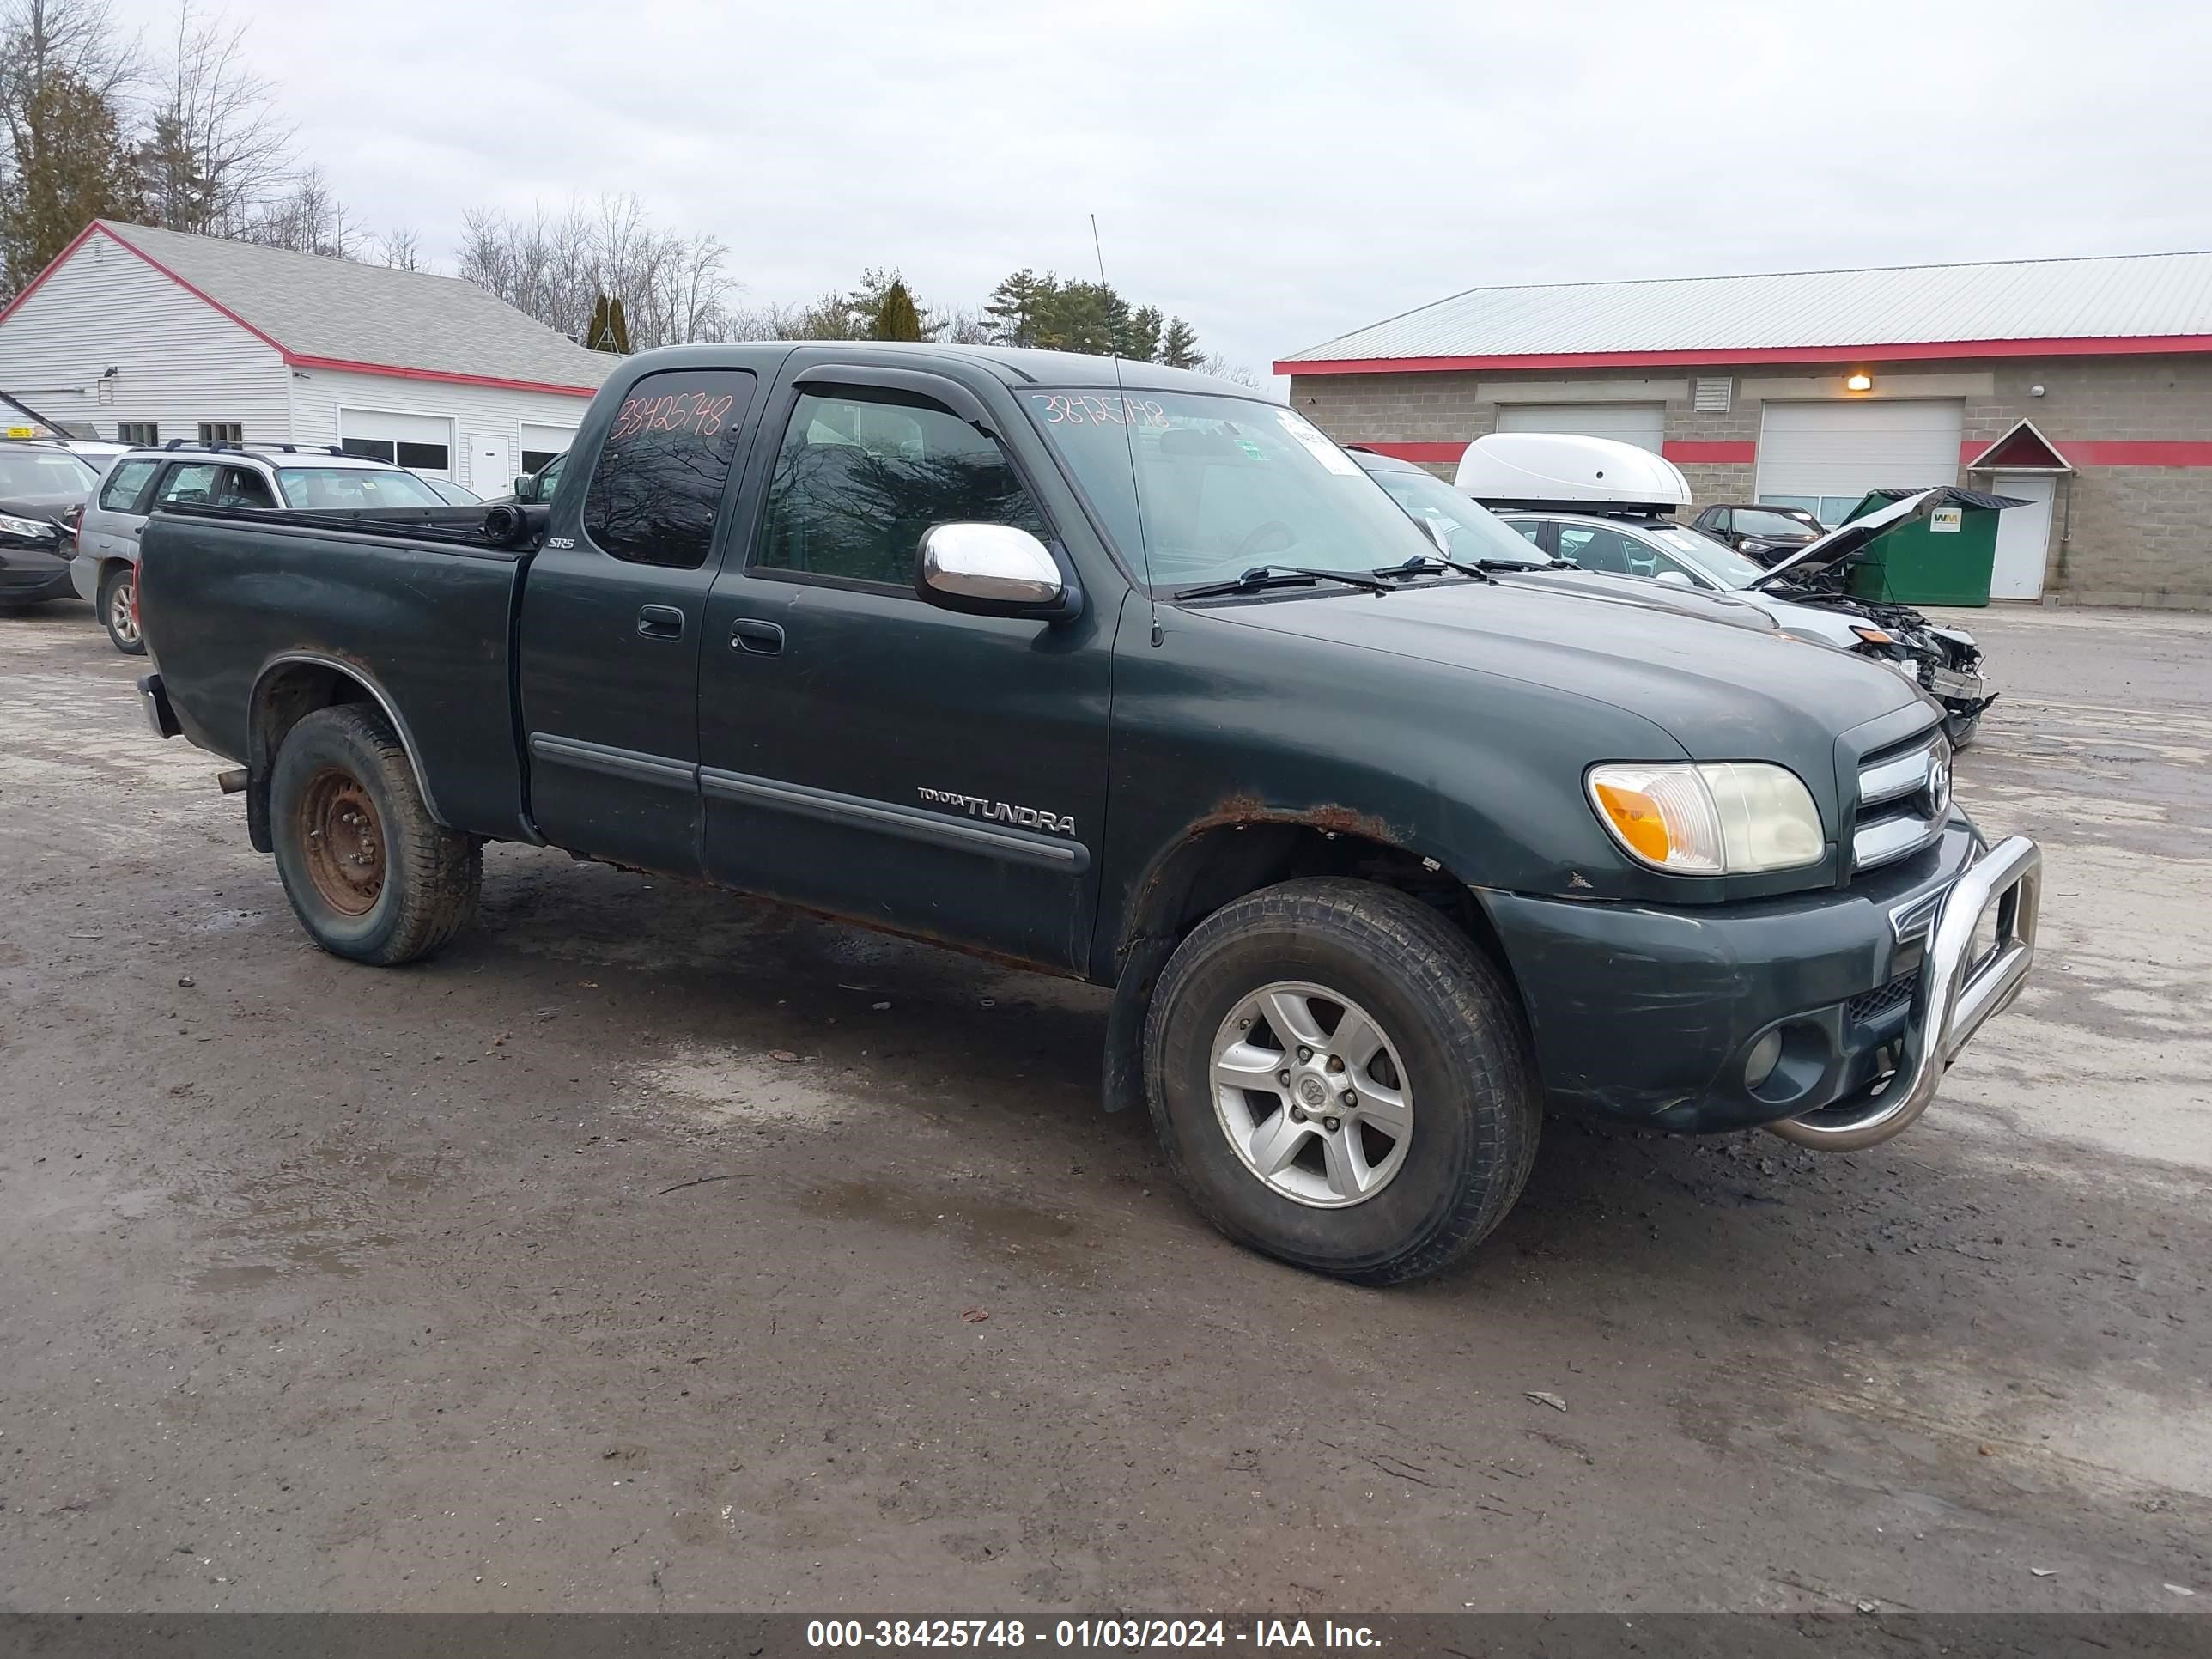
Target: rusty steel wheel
<point x="371" y="874"/>
<point x="345" y="839"/>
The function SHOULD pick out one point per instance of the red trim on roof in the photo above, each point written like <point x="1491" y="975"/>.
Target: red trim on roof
<point x="447" y="376"/>
<point x="200" y="294"/>
<point x="52" y="265"/>
<point x="1896" y="352"/>
<point x="291" y="358"/>
<point x="1709" y="449"/>
<point x="1423" y="452"/>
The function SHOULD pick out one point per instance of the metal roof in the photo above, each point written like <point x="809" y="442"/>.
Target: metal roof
<point x="2123" y="297"/>
<point x="369" y="317"/>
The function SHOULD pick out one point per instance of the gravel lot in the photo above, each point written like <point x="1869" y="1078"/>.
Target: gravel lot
<point x="634" y="1254"/>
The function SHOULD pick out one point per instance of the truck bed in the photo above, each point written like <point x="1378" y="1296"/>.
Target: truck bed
<point x="430" y="602"/>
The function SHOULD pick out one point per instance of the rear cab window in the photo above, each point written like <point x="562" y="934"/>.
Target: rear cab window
<point x="657" y="484"/>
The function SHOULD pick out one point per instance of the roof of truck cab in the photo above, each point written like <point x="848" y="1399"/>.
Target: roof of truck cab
<point x="1013" y="366"/>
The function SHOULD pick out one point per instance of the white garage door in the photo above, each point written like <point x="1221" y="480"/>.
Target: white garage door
<point x="421" y="443"/>
<point x="1825" y="457"/>
<point x="540" y="444"/>
<point x="1641" y="424"/>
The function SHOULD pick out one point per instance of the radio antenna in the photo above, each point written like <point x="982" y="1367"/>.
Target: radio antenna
<point x="1129" y="440"/>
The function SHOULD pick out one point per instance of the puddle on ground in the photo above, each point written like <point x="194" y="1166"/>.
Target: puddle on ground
<point x="993" y="1226"/>
<point x="314" y="1216"/>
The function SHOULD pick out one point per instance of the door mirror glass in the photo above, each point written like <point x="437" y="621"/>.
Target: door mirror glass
<point x="993" y="569"/>
<point x="525" y="489"/>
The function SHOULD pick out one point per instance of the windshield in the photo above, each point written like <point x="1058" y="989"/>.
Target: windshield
<point x="1753" y="521"/>
<point x="1227" y="483"/>
<point x="45" y="472"/>
<point x="1727" y="567"/>
<point x="339" y="487"/>
<point x="1461" y="527"/>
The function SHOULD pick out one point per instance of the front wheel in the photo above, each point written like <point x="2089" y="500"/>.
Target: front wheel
<point x="1960" y="728"/>
<point x="118" y="609"/>
<point x="370" y="873"/>
<point x="1341" y="1080"/>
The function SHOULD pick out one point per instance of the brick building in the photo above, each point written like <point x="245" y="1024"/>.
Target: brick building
<point x="2084" y="385"/>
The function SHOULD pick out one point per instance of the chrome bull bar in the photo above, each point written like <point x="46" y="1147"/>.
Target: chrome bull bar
<point x="1955" y="994"/>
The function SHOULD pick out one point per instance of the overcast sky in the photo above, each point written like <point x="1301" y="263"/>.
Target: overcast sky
<point x="1278" y="174"/>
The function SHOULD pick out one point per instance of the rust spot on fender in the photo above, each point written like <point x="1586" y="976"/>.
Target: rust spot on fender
<point x="1241" y="808"/>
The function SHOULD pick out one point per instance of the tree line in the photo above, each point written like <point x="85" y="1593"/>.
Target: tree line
<point x="178" y="131"/>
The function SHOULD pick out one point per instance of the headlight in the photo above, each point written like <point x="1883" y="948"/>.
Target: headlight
<point x="1724" y="818"/>
<point x="35" y="529"/>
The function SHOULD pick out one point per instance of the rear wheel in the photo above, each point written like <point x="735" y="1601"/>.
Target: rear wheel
<point x="1342" y="1080"/>
<point x="118" y="609"/>
<point x="370" y="874"/>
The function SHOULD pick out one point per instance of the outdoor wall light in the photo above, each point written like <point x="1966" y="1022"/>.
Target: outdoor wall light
<point x="1859" y="382"/>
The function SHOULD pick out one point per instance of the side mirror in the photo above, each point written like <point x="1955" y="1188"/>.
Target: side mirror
<point x="526" y="487"/>
<point x="993" y="570"/>
<point x="1676" y="579"/>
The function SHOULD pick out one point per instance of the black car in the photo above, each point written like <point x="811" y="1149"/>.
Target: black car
<point x="42" y="489"/>
<point x="1759" y="532"/>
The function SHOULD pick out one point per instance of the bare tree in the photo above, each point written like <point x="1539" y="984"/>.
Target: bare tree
<point x="308" y="219"/>
<point x="673" y="289"/>
<point x="63" y="69"/>
<point x="400" y="247"/>
<point x="214" y="148"/>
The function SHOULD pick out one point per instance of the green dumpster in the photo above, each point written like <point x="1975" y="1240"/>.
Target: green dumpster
<point x="1943" y="559"/>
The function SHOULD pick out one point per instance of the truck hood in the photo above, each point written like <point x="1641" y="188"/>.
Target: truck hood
<point x="1723" y="692"/>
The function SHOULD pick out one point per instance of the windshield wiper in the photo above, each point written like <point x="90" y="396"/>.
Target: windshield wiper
<point x="1261" y="577"/>
<point x="1422" y="563"/>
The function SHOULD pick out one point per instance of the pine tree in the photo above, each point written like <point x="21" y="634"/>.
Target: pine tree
<point x="1141" y="339"/>
<point x="609" y="328"/>
<point x="1017" y="305"/>
<point x="1179" y="345"/>
<point x="896" y="316"/>
<point x="71" y="166"/>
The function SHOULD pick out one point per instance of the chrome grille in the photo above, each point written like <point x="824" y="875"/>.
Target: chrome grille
<point x="1904" y="795"/>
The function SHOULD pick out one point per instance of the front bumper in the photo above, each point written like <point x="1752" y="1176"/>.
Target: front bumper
<point x="1652" y="1014"/>
<point x="31" y="575"/>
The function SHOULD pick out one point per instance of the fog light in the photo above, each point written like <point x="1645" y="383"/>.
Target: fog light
<point x="1759" y="1065"/>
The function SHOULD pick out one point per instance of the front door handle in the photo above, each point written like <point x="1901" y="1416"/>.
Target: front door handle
<point x="750" y="633"/>
<point x="661" y="621"/>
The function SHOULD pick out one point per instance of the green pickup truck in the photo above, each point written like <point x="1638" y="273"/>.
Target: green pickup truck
<point x="1131" y="675"/>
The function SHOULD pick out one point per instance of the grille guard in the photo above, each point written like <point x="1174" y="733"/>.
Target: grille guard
<point x="1953" y="997"/>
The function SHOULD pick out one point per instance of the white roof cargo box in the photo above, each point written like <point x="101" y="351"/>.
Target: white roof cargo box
<point x="1562" y="469"/>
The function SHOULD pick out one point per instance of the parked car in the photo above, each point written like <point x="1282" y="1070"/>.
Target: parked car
<point x="1464" y="529"/>
<point x="539" y="486"/>
<point x="451" y="494"/>
<point x="1607" y="505"/>
<point x="42" y="488"/>
<point x="1759" y="532"/>
<point x="1128" y="675"/>
<point x="104" y="569"/>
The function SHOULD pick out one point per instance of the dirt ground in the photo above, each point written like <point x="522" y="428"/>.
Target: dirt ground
<point x="653" y="1248"/>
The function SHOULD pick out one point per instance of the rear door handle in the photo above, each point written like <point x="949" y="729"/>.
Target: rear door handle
<point x="750" y="633"/>
<point x="661" y="621"/>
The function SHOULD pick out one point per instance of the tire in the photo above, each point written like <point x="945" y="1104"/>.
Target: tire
<point x="370" y="874"/>
<point x="1961" y="730"/>
<point x="1450" y="1026"/>
<point x="119" y="609"/>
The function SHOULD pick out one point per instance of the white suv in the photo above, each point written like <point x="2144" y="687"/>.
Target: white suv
<point x="104" y="569"/>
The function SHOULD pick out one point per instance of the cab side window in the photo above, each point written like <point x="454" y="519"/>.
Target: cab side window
<point x="192" y="484"/>
<point x="127" y="485"/>
<point x="242" y="487"/>
<point x="862" y="473"/>
<point x="657" y="482"/>
<point x="1594" y="548"/>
